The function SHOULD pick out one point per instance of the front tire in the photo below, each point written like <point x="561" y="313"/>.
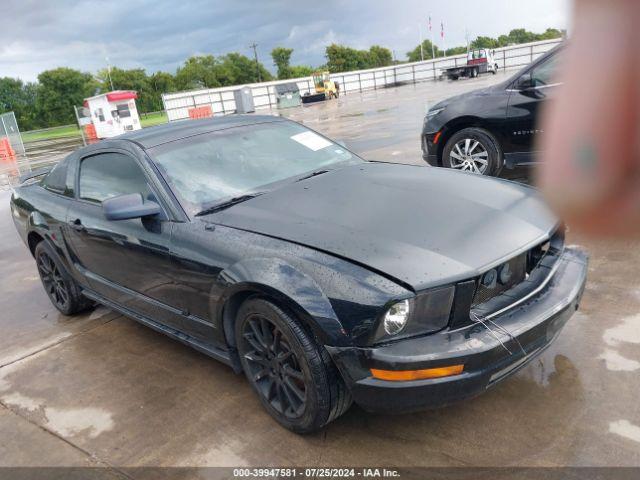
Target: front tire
<point x="61" y="289"/>
<point x="473" y="150"/>
<point x="293" y="376"/>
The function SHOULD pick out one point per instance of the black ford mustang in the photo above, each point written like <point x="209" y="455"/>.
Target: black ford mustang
<point x="325" y="278"/>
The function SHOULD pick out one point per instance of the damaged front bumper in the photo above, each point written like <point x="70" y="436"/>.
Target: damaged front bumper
<point x="488" y="356"/>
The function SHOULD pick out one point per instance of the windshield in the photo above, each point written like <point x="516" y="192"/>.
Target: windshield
<point x="213" y="167"/>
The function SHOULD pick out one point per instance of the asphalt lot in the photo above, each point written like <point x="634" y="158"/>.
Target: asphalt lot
<point x="99" y="389"/>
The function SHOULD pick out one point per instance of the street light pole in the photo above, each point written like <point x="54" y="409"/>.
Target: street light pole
<point x="109" y="73"/>
<point x="254" y="45"/>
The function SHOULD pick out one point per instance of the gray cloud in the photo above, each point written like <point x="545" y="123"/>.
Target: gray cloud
<point x="161" y="34"/>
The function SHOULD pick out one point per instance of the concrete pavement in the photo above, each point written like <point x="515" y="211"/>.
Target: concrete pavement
<point x="99" y="389"/>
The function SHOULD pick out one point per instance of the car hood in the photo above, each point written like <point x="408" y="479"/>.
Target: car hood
<point x="420" y="226"/>
<point x="480" y="92"/>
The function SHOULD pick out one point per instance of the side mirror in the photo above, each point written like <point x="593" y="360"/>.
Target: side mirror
<point x="124" y="207"/>
<point x="525" y="83"/>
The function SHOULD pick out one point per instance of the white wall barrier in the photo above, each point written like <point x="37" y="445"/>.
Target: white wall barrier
<point x="221" y="100"/>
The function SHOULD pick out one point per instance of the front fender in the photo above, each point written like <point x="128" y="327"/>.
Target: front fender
<point x="277" y="278"/>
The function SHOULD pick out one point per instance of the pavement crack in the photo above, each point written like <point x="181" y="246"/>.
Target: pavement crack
<point x="97" y="461"/>
<point x="54" y="344"/>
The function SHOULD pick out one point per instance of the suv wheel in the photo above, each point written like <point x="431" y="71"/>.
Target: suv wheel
<point x="62" y="290"/>
<point x="473" y="150"/>
<point x="294" y="376"/>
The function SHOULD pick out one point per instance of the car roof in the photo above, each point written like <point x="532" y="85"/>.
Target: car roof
<point x="153" y="136"/>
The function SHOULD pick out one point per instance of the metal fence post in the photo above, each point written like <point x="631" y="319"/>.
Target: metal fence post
<point x="413" y="72"/>
<point x="504" y="60"/>
<point x="530" y="53"/>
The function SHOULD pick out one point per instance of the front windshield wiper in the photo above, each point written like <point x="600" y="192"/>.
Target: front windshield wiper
<point x="312" y="174"/>
<point x="228" y="203"/>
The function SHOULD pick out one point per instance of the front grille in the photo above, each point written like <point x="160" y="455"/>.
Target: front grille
<point x="500" y="279"/>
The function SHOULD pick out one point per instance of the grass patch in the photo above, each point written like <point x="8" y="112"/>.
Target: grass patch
<point x="68" y="131"/>
<point x="157" y="118"/>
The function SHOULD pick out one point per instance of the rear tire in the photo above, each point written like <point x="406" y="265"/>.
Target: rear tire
<point x="294" y="377"/>
<point x="60" y="287"/>
<point x="461" y="152"/>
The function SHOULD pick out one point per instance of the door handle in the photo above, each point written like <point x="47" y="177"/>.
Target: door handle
<point x="77" y="225"/>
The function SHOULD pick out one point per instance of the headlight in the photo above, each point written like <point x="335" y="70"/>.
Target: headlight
<point x="433" y="112"/>
<point x="396" y="317"/>
<point x="427" y="312"/>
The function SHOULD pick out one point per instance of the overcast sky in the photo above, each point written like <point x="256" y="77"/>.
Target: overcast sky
<point x="161" y="34"/>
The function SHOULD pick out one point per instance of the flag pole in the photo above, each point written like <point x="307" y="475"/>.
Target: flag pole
<point x="421" y="47"/>
<point x="433" y="48"/>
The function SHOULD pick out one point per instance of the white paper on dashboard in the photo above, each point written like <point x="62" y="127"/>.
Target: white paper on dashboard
<point x="311" y="140"/>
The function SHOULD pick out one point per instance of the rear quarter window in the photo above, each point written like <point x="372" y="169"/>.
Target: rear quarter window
<point x="57" y="179"/>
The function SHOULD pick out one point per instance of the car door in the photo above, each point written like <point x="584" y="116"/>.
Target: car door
<point x="528" y="93"/>
<point x="125" y="261"/>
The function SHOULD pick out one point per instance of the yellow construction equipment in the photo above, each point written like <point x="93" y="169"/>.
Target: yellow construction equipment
<point x="326" y="89"/>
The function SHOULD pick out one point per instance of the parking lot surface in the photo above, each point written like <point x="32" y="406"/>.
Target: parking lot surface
<point x="99" y="389"/>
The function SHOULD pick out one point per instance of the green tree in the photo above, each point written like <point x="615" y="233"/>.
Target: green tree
<point x="159" y="83"/>
<point x="20" y="98"/>
<point x="281" y="57"/>
<point x="60" y="90"/>
<point x="236" y="69"/>
<point x="485" y="42"/>
<point x="415" y="55"/>
<point x="344" y="59"/>
<point x="456" y="51"/>
<point x="197" y="72"/>
<point x="379" y="56"/>
<point x="551" y="33"/>
<point x="298" y="71"/>
<point x="515" y="36"/>
<point x="134" y="79"/>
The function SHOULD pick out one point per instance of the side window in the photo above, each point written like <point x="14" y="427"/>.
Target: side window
<point x="107" y="175"/>
<point x="543" y="74"/>
<point x="56" y="179"/>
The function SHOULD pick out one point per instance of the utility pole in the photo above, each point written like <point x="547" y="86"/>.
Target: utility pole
<point x="254" y="45"/>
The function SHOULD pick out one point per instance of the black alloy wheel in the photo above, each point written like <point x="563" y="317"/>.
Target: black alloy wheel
<point x="53" y="282"/>
<point x="62" y="290"/>
<point x="274" y="367"/>
<point x="292" y="373"/>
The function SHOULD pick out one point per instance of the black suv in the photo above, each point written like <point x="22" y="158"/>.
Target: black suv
<point x="485" y="130"/>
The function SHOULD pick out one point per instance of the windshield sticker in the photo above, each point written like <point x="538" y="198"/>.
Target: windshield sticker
<point x="311" y="140"/>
